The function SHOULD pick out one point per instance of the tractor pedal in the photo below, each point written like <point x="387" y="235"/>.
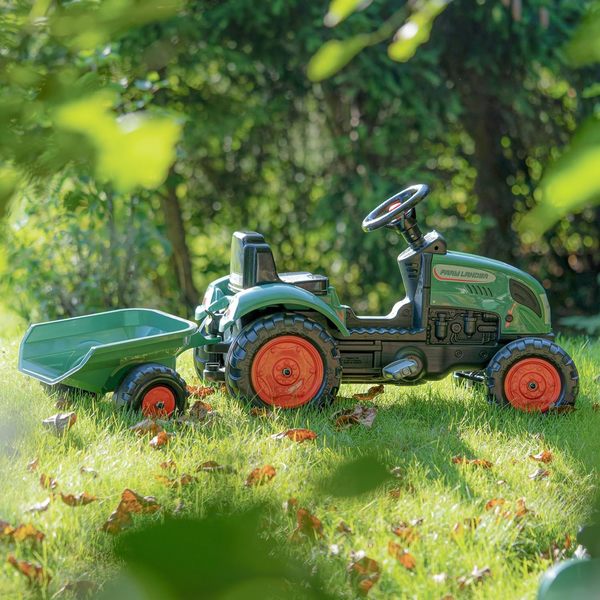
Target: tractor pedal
<point x="402" y="369"/>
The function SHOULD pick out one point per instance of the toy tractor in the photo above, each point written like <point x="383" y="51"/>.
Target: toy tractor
<point x="285" y="340"/>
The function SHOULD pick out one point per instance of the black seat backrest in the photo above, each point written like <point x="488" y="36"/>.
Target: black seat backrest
<point x="252" y="261"/>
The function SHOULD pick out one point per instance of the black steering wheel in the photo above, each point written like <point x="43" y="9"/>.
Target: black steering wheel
<point x="390" y="212"/>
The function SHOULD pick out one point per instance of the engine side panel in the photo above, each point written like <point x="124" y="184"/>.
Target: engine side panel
<point x="466" y="281"/>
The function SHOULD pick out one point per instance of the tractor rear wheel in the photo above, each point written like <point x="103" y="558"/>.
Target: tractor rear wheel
<point x="156" y="390"/>
<point x="284" y="360"/>
<point x="533" y="375"/>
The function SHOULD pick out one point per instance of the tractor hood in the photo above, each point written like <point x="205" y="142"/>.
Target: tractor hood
<point x="472" y="282"/>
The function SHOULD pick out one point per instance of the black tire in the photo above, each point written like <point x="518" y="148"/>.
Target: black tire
<point x="243" y="350"/>
<point x="533" y="348"/>
<point x="142" y="379"/>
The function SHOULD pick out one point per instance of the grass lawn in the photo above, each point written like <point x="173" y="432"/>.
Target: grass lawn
<point x="416" y="429"/>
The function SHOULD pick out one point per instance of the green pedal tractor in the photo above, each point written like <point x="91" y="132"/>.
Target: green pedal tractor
<point x="286" y="340"/>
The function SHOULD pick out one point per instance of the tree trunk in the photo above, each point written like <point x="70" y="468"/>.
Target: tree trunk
<point x="495" y="199"/>
<point x="181" y="257"/>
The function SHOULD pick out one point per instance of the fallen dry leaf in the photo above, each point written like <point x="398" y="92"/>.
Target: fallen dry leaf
<point x="259" y="411"/>
<point x="476" y="576"/>
<point x="395" y="493"/>
<point x="596" y="406"/>
<point x="544" y="456"/>
<point x="80" y="499"/>
<point x="32" y="465"/>
<point x="60" y="422"/>
<point x="212" y="466"/>
<point x="539" y="474"/>
<point x="131" y="502"/>
<point x="307" y="525"/>
<point x="364" y="573"/>
<point x="147" y="426"/>
<point x="290" y="504"/>
<point x="199" y="410"/>
<point x="359" y="415"/>
<point x="47" y="482"/>
<point x="344" y="528"/>
<point x="477" y="462"/>
<point x="26" y="532"/>
<point x="160" y="439"/>
<point x="200" y="391"/>
<point x="260" y="475"/>
<point x="404" y="557"/>
<point x="371" y="393"/>
<point x="168" y="465"/>
<point x="40" y="506"/>
<point x="89" y="471"/>
<point x="35" y="573"/>
<point x="296" y="435"/>
<point x="494" y="502"/>
<point x="522" y="510"/>
<point x="184" y="479"/>
<point x="405" y="532"/>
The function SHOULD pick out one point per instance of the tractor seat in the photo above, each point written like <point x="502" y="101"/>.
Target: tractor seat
<point x="252" y="263"/>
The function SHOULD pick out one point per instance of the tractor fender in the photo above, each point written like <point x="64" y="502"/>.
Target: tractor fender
<point x="284" y="295"/>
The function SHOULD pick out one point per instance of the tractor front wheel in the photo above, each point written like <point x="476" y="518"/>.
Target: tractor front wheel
<point x="156" y="390"/>
<point x="533" y="375"/>
<point x="284" y="360"/>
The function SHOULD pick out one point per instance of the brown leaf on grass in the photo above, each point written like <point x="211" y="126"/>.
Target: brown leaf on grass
<point x="494" y="503"/>
<point x="184" y="479"/>
<point x="544" y="456"/>
<point x="168" y="465"/>
<point x="47" y="482"/>
<point x="260" y="475"/>
<point x="26" y="532"/>
<point x="80" y="499"/>
<point x="371" y="393"/>
<point x="404" y="557"/>
<point x="147" y="426"/>
<point x="260" y="411"/>
<point x="307" y="526"/>
<point x="359" y="415"/>
<point x="476" y="462"/>
<point x="364" y="573"/>
<point x="131" y="502"/>
<point x="521" y="510"/>
<point x="539" y="474"/>
<point x="82" y="588"/>
<point x="199" y="410"/>
<point x="200" y="391"/>
<point x="395" y="493"/>
<point x="32" y="465"/>
<point x="40" y="506"/>
<point x="476" y="576"/>
<point x="60" y="422"/>
<point x="89" y="471"/>
<point x="596" y="406"/>
<point x="35" y="573"/>
<point x="405" y="532"/>
<point x="160" y="439"/>
<point x="6" y="529"/>
<point x="212" y="466"/>
<point x="296" y="435"/>
<point x="344" y="528"/>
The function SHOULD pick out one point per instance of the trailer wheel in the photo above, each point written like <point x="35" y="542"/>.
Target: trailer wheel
<point x="156" y="390"/>
<point x="284" y="360"/>
<point x="533" y="375"/>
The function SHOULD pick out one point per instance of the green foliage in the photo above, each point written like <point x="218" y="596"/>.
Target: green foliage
<point x="81" y="249"/>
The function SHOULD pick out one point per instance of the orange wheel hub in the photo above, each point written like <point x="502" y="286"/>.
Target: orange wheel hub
<point x="158" y="402"/>
<point x="287" y="371"/>
<point x="532" y="385"/>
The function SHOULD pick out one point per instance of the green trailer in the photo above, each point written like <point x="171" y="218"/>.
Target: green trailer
<point x="131" y="352"/>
